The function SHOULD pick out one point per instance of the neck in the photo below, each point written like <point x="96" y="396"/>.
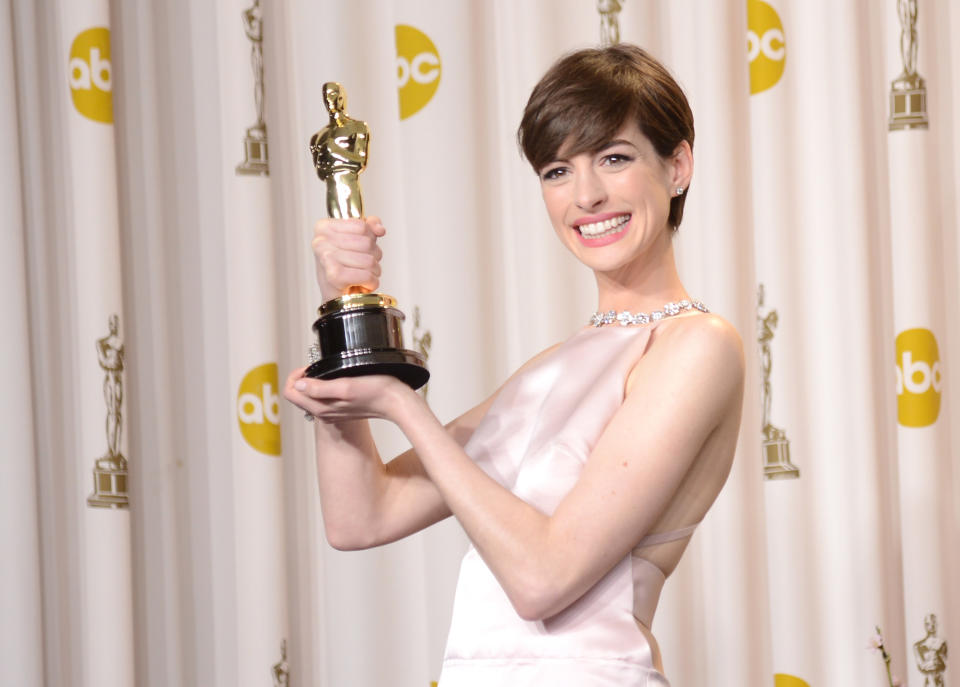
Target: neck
<point x="645" y="284"/>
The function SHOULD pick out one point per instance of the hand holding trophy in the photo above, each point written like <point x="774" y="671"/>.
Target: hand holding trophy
<point x="358" y="332"/>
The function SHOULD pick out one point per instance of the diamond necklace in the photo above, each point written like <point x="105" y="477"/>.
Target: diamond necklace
<point x="625" y="317"/>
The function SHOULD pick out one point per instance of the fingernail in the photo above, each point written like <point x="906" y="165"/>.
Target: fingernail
<point x="300" y="385"/>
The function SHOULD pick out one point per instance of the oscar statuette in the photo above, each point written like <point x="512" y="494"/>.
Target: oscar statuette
<point x="358" y="333"/>
<point x="908" y="92"/>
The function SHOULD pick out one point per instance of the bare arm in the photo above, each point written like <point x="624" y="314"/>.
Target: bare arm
<point x="364" y="501"/>
<point x="544" y="563"/>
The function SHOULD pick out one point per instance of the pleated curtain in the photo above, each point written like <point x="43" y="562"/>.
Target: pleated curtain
<point x="161" y="524"/>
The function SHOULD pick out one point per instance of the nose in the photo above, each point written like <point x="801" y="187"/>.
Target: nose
<point x="589" y="191"/>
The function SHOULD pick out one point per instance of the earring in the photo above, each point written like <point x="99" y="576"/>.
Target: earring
<point x="679" y="190"/>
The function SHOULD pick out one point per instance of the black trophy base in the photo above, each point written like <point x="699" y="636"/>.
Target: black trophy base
<point x="407" y="366"/>
<point x="361" y="334"/>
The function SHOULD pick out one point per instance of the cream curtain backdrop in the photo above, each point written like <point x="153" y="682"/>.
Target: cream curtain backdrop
<point x="189" y="214"/>
<point x="21" y="634"/>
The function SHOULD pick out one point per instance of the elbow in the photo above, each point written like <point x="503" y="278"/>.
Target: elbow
<point x="531" y="611"/>
<point x="339" y="540"/>
<point x="536" y="608"/>
<point x="345" y="538"/>
<point x="538" y="599"/>
<point x="343" y="543"/>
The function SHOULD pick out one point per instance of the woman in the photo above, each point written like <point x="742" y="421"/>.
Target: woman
<point x="579" y="482"/>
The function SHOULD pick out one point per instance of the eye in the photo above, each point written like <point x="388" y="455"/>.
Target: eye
<point x="553" y="173"/>
<point x="615" y="159"/>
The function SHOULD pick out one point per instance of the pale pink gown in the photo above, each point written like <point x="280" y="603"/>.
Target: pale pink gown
<point x="534" y="441"/>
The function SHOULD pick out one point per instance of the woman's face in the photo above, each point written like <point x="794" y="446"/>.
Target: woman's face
<point x="608" y="207"/>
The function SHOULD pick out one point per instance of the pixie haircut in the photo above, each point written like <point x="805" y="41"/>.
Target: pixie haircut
<point x="587" y="96"/>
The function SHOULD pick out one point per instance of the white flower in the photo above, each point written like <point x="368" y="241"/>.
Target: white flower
<point x="876" y="642"/>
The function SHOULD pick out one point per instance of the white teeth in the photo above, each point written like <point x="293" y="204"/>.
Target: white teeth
<point x="608" y="226"/>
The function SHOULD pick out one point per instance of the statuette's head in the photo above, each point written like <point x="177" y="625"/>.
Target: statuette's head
<point x="590" y="95"/>
<point x="113" y="323"/>
<point x="930" y="623"/>
<point x="333" y="97"/>
<point x="608" y="6"/>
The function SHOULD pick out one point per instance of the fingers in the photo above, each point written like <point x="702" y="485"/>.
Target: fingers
<point x="376" y="226"/>
<point x="292" y="394"/>
<point x="324" y="400"/>
<point x="303" y="391"/>
<point x="338" y="275"/>
<point x="348" y="243"/>
<point x="345" y="398"/>
<point x="347" y="254"/>
<point x="372" y="225"/>
<point x="330" y="390"/>
<point x="297" y="391"/>
<point x="295" y="375"/>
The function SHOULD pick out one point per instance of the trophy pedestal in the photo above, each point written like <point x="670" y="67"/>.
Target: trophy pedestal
<point x="109" y="483"/>
<point x="776" y="460"/>
<point x="255" y="159"/>
<point x="361" y="334"/>
<point x="908" y="103"/>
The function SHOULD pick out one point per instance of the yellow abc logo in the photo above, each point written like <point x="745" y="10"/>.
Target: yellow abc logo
<point x="919" y="378"/>
<point x="258" y="409"/>
<point x="766" y="46"/>
<point x="418" y="69"/>
<point x="784" y="680"/>
<point x="91" y="74"/>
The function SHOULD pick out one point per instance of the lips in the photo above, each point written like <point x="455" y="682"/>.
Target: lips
<point x="601" y="230"/>
<point x="601" y="227"/>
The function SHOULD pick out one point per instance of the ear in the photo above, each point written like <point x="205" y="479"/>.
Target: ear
<point x="681" y="164"/>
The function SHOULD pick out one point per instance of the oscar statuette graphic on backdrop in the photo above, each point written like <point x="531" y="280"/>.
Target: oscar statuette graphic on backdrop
<point x="281" y="669"/>
<point x="358" y="333"/>
<point x="776" y="445"/>
<point x="930" y="653"/>
<point x="422" y="341"/>
<point x="255" y="160"/>
<point x="609" y="21"/>
<point x="908" y="92"/>
<point x="110" y="471"/>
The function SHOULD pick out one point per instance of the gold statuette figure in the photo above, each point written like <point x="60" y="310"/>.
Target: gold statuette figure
<point x="340" y="154"/>
<point x="358" y="333"/>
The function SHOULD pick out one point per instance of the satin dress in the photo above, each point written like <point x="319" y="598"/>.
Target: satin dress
<point x="534" y="441"/>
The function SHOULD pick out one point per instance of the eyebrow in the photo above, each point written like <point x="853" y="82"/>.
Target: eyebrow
<point x="615" y="142"/>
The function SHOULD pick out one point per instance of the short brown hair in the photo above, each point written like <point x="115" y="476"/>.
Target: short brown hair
<point x="588" y="95"/>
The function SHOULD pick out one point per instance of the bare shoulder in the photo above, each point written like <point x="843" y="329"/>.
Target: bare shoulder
<point x="705" y="348"/>
<point x="706" y="336"/>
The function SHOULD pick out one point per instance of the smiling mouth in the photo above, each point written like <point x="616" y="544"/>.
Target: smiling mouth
<point x="607" y="227"/>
